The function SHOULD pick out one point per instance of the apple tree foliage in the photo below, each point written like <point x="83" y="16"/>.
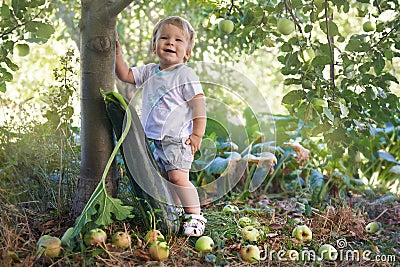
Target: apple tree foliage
<point x="22" y="23"/>
<point x="341" y="77"/>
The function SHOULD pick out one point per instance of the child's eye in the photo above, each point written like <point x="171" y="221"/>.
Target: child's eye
<point x="179" y="40"/>
<point x="163" y="37"/>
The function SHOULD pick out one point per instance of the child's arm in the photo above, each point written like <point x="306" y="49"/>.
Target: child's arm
<point x="123" y="71"/>
<point x="198" y="106"/>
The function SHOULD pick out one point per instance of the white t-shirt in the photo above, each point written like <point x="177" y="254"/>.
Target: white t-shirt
<point x="165" y="109"/>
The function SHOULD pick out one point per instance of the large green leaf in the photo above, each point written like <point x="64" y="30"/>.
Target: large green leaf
<point x="293" y="97"/>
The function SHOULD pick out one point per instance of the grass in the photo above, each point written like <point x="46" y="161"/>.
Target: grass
<point x="20" y="228"/>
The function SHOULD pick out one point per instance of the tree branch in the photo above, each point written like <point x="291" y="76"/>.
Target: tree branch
<point x="116" y="7"/>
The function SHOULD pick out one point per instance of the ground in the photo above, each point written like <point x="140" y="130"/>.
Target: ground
<point x="339" y="224"/>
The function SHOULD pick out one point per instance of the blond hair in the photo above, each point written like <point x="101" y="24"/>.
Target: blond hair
<point x="180" y="23"/>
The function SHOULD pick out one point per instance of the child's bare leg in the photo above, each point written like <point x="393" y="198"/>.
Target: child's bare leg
<point x="186" y="191"/>
<point x="175" y="196"/>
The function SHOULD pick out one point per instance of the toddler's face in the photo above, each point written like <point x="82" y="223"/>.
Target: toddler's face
<point x="172" y="46"/>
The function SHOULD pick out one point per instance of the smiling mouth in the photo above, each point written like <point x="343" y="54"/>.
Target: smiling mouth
<point x="169" y="51"/>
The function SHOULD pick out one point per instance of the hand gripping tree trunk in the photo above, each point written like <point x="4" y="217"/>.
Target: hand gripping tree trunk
<point x="97" y="47"/>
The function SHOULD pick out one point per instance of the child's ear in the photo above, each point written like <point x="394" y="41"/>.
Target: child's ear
<point x="187" y="55"/>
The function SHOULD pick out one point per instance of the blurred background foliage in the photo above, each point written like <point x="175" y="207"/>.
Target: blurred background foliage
<point x="330" y="85"/>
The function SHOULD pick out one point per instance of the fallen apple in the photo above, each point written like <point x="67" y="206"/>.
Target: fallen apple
<point x="159" y="250"/>
<point x="373" y="227"/>
<point x="302" y="233"/>
<point x="50" y="246"/>
<point x="230" y="209"/>
<point x="121" y="240"/>
<point x="328" y="252"/>
<point x="42" y="238"/>
<point x="153" y="236"/>
<point x="66" y="238"/>
<point x="204" y="244"/>
<point x="226" y="26"/>
<point x="250" y="233"/>
<point x="95" y="237"/>
<point x="250" y="253"/>
<point x="285" y="26"/>
<point x="244" y="221"/>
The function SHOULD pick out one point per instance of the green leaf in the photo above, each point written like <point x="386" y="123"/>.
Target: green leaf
<point x="40" y="29"/>
<point x="3" y="87"/>
<point x="102" y="208"/>
<point x="321" y="60"/>
<point x="5" y="12"/>
<point x="332" y="28"/>
<point x="328" y="113"/>
<point x="355" y="45"/>
<point x="10" y="64"/>
<point x="293" y="97"/>
<point x="379" y="63"/>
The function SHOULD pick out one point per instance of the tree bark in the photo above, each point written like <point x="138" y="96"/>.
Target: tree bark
<point x="97" y="48"/>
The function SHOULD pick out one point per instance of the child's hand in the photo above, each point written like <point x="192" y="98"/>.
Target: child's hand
<point x="194" y="141"/>
<point x="117" y="45"/>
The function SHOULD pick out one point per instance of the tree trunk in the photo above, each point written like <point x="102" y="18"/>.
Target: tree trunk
<point x="97" y="48"/>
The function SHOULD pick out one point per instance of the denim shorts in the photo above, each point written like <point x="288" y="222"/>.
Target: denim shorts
<point x="172" y="153"/>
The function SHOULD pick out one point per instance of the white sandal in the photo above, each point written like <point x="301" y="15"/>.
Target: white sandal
<point x="195" y="225"/>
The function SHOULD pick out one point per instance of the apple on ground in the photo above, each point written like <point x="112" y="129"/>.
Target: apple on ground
<point x="121" y="240"/>
<point x="250" y="233"/>
<point x="153" y="235"/>
<point x="328" y="252"/>
<point x="302" y="233"/>
<point x="230" y="209"/>
<point x="244" y="221"/>
<point x="285" y="26"/>
<point x="250" y="253"/>
<point x="159" y="250"/>
<point x="95" y="237"/>
<point x="49" y="246"/>
<point x="226" y="26"/>
<point x="204" y="244"/>
<point x="373" y="227"/>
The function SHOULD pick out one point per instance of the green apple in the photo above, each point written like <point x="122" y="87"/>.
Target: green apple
<point x="153" y="235"/>
<point x="226" y="26"/>
<point x="250" y="253"/>
<point x="328" y="252"/>
<point x="302" y="233"/>
<point x="42" y="238"/>
<point x="285" y="26"/>
<point x="230" y="209"/>
<point x="244" y="221"/>
<point x="204" y="244"/>
<point x="250" y="233"/>
<point x="95" y="237"/>
<point x="159" y="250"/>
<point x="373" y="227"/>
<point x="121" y="240"/>
<point x="66" y="238"/>
<point x="50" y="246"/>
<point x="369" y="26"/>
